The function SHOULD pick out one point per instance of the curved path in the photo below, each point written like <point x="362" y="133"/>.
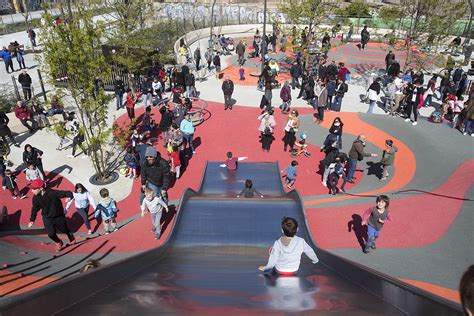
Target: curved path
<point x="434" y="165"/>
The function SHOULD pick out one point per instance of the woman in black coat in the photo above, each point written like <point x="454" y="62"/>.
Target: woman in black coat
<point x="33" y="155"/>
<point x="336" y="130"/>
<point x="5" y="130"/>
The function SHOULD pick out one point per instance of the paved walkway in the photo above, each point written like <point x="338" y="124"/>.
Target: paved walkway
<point x="431" y="222"/>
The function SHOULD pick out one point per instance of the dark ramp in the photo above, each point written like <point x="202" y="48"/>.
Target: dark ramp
<point x="209" y="266"/>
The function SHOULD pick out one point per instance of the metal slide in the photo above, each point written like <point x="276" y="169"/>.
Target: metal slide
<point x="209" y="265"/>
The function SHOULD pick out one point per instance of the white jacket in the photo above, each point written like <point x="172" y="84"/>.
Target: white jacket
<point x="287" y="258"/>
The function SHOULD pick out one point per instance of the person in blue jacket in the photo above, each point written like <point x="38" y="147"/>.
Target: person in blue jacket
<point x="7" y="59"/>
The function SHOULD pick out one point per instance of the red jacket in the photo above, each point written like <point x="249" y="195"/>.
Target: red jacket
<point x="22" y="112"/>
<point x="341" y="74"/>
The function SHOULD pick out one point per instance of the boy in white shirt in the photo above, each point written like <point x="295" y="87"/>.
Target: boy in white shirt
<point x="285" y="255"/>
<point x="153" y="204"/>
<point x="33" y="173"/>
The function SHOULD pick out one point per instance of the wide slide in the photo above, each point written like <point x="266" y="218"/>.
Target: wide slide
<point x="209" y="265"/>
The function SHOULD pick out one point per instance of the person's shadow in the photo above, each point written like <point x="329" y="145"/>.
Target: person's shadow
<point x="359" y="230"/>
<point x="375" y="168"/>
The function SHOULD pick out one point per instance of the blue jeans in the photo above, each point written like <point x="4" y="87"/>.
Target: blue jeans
<point x="372" y="235"/>
<point x="372" y="105"/>
<point x="83" y="212"/>
<point x="189" y="90"/>
<point x="336" y="106"/>
<point x="157" y="191"/>
<point x="352" y="169"/>
<point x="119" y="100"/>
<point x="428" y="100"/>
<point x="468" y="126"/>
<point x="188" y="138"/>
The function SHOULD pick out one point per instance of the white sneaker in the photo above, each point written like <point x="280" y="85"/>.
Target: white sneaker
<point x="414" y="123"/>
<point x="194" y="152"/>
<point x="407" y="120"/>
<point x="464" y="134"/>
<point x="324" y="183"/>
<point x="70" y="156"/>
<point x="472" y="135"/>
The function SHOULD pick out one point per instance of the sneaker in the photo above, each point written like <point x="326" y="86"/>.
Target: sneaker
<point x="324" y="183"/>
<point x="464" y="133"/>
<point x="115" y="230"/>
<point x="366" y="250"/>
<point x="158" y="235"/>
<point x="414" y="123"/>
<point x="107" y="233"/>
<point x="89" y="232"/>
<point x="194" y="152"/>
<point x="383" y="179"/>
<point x="22" y="197"/>
<point x="342" y="190"/>
<point x="472" y="135"/>
<point x="58" y="247"/>
<point x="373" y="246"/>
<point x="407" y="120"/>
<point x="153" y="229"/>
<point x="14" y="197"/>
<point x="73" y="241"/>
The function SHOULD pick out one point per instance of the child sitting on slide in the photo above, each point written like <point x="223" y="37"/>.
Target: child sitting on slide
<point x="285" y="255"/>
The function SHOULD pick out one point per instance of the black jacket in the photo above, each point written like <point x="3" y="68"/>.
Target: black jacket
<point x="228" y="87"/>
<point x="49" y="203"/>
<point x="4" y="120"/>
<point x="119" y="86"/>
<point x="158" y="173"/>
<point x="296" y="71"/>
<point x="189" y="80"/>
<point x="24" y="80"/>
<point x="331" y="71"/>
<point x="32" y="156"/>
<point x="216" y="61"/>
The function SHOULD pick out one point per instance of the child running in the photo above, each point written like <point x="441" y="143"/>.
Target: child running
<point x="107" y="209"/>
<point x="375" y="218"/>
<point x="154" y="205"/>
<point x="249" y="191"/>
<point x="290" y="176"/>
<point x="285" y="255"/>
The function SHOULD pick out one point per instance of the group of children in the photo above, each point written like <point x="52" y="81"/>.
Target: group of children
<point x="9" y="179"/>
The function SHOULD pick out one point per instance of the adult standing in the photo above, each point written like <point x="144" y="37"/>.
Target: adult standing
<point x="32" y="155"/>
<point x="399" y="96"/>
<point x="187" y="128"/>
<point x="52" y="211"/>
<point x="357" y="153"/>
<point x="32" y="36"/>
<point x="228" y="89"/>
<point x="119" y="89"/>
<point x="267" y="125"/>
<point x="25" y="80"/>
<point x="336" y="131"/>
<point x="189" y="82"/>
<point x="295" y="71"/>
<point x="389" y="59"/>
<point x="208" y="56"/>
<point x="197" y="58"/>
<point x="364" y="38"/>
<point x="285" y="95"/>
<point x="373" y="94"/>
<point x="430" y="91"/>
<point x="331" y="71"/>
<point x="155" y="173"/>
<point x="24" y="115"/>
<point x="240" y="50"/>
<point x="343" y="72"/>
<point x="7" y="59"/>
<point x="5" y="130"/>
<point x="291" y="127"/>
<point x="413" y="92"/>
<point x="341" y="89"/>
<point x="394" y="69"/>
<point x="217" y="63"/>
<point x="20" y="58"/>
<point x="166" y="119"/>
<point x="322" y="102"/>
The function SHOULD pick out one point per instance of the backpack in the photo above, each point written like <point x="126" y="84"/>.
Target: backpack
<point x="435" y="117"/>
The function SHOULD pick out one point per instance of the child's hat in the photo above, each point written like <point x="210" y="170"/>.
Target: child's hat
<point x="37" y="184"/>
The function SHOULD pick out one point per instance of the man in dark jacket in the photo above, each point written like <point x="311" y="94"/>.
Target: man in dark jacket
<point x="389" y="59"/>
<point x="394" y="69"/>
<point x="7" y="59"/>
<point x="52" y="210"/>
<point x="25" y="80"/>
<point x="189" y="82"/>
<point x="119" y="89"/>
<point x="228" y="89"/>
<point x="197" y="58"/>
<point x="295" y="71"/>
<point x="217" y="63"/>
<point x="240" y="50"/>
<point x="331" y="71"/>
<point x="155" y="173"/>
<point x="357" y="153"/>
<point x="364" y="38"/>
<point x="5" y="130"/>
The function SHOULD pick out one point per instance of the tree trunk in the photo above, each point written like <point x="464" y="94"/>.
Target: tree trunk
<point x="467" y="30"/>
<point x="212" y="20"/>
<point x="26" y="15"/>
